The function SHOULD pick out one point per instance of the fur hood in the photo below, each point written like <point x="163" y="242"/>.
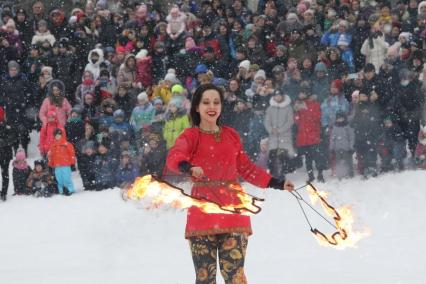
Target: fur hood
<point x="286" y="102"/>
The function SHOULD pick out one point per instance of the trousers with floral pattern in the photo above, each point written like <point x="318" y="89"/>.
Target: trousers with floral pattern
<point x="231" y="249"/>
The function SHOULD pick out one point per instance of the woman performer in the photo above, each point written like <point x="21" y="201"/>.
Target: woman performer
<point x="213" y="155"/>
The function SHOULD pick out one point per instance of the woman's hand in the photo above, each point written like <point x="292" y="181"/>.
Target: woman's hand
<point x="288" y="185"/>
<point x="197" y="172"/>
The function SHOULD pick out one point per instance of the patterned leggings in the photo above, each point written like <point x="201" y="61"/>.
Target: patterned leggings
<point x="231" y="249"/>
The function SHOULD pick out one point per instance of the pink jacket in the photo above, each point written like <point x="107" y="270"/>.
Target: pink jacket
<point x="62" y="112"/>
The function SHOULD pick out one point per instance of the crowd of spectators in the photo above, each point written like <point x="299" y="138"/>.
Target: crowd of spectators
<point x="309" y="84"/>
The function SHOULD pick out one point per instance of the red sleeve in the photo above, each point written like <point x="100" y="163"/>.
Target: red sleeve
<point x="182" y="150"/>
<point x="247" y="169"/>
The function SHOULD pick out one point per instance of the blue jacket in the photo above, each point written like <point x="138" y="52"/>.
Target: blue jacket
<point x="330" y="107"/>
<point x="331" y="39"/>
<point x="126" y="173"/>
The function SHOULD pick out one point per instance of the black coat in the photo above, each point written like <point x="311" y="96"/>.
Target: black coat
<point x="7" y="138"/>
<point x="409" y="102"/>
<point x="16" y="96"/>
<point x="366" y="124"/>
<point x="75" y="131"/>
<point x="86" y="166"/>
<point x="20" y="179"/>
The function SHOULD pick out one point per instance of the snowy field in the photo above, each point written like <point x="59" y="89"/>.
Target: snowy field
<point x="96" y="237"/>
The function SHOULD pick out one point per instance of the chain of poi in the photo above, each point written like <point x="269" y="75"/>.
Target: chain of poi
<point x="340" y="233"/>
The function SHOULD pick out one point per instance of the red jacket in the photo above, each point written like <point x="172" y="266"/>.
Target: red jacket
<point x="61" y="153"/>
<point x="221" y="161"/>
<point x="143" y="71"/>
<point x="46" y="134"/>
<point x="308" y="123"/>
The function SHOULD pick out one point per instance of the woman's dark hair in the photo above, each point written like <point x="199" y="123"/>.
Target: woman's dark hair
<point x="196" y="99"/>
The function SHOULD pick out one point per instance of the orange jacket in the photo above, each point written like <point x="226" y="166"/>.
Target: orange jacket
<point x="61" y="154"/>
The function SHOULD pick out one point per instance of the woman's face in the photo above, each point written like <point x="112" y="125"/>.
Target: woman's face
<point x="210" y="106"/>
<point x="56" y="91"/>
<point x="307" y="64"/>
<point x="88" y="129"/>
<point x="233" y="86"/>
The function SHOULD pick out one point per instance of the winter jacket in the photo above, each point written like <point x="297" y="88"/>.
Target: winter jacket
<point x="141" y="116"/>
<point x="75" y="130"/>
<point x="228" y="163"/>
<point x="87" y="169"/>
<point x="366" y="124"/>
<point x="174" y="126"/>
<point x="16" y="96"/>
<point x="42" y="37"/>
<point x="154" y="161"/>
<point x="127" y="76"/>
<point x="409" y="101"/>
<point x="330" y="107"/>
<point x="95" y="67"/>
<point x="342" y="138"/>
<point x="126" y="174"/>
<point x="62" y="111"/>
<point x="106" y="167"/>
<point x="280" y="116"/>
<point x="144" y="71"/>
<point x="61" y="153"/>
<point x="46" y="136"/>
<point x="308" y="122"/>
<point x="331" y="38"/>
<point x="377" y="54"/>
<point x="20" y="177"/>
<point x="7" y="138"/>
<point x="321" y="88"/>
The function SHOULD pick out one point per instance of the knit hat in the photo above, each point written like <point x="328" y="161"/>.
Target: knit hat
<point x="157" y="101"/>
<point x="278" y="69"/>
<point x="421" y="5"/>
<point x="42" y="23"/>
<point x="369" y="67"/>
<point x="143" y="96"/>
<point x="320" y="67"/>
<point x="2" y="116"/>
<point x="13" y="64"/>
<point x="343" y="40"/>
<point x="142" y="54"/>
<point x="20" y="155"/>
<point x="337" y="84"/>
<point x="77" y="109"/>
<point x="125" y="154"/>
<point x="118" y="113"/>
<point x="201" y="68"/>
<point x="244" y="64"/>
<point x="177" y="102"/>
<point x="89" y="145"/>
<point x="260" y="75"/>
<point x="291" y="16"/>
<point x="170" y="76"/>
<point x="177" y="89"/>
<point x="301" y="8"/>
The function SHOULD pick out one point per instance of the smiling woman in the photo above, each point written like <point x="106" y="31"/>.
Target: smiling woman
<point x="213" y="155"/>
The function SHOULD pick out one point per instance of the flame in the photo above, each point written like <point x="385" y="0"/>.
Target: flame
<point x="345" y="236"/>
<point x="159" y="193"/>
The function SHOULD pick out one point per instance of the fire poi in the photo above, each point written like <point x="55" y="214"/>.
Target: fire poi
<point x="159" y="193"/>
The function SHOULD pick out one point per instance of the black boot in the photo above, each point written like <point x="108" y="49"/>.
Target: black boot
<point x="320" y="177"/>
<point x="3" y="197"/>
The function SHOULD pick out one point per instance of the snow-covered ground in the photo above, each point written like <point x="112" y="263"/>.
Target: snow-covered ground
<point x="96" y="237"/>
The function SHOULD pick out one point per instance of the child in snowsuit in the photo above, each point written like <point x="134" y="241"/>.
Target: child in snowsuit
<point x="176" y="121"/>
<point x="46" y="133"/>
<point x="61" y="157"/>
<point x="127" y="170"/>
<point x="342" y="139"/>
<point x="86" y="165"/>
<point x="21" y="171"/>
<point x="421" y="149"/>
<point x="40" y="181"/>
<point x="392" y="146"/>
<point x="142" y="114"/>
<point x="105" y="167"/>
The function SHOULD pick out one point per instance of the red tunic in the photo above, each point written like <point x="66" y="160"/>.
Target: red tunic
<point x="221" y="162"/>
